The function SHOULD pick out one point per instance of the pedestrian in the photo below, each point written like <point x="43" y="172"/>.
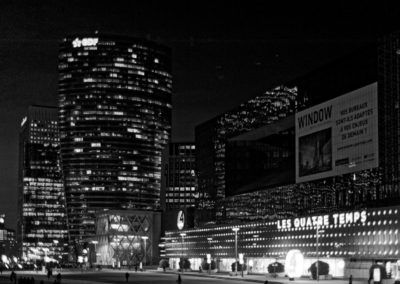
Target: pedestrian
<point x="13" y="276"/>
<point x="127" y="276"/>
<point x="179" y="281"/>
<point x="58" y="278"/>
<point x="136" y="267"/>
<point x="266" y="282"/>
<point x="351" y="279"/>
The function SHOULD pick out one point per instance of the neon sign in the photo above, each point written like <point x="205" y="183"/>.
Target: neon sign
<point x="86" y="41"/>
<point x="323" y="220"/>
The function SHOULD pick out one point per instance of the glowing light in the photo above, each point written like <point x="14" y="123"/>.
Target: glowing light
<point x="23" y="121"/>
<point x="294" y="263"/>
<point x="4" y="259"/>
<point x="241" y="259"/>
<point x="181" y="220"/>
<point x="208" y="258"/>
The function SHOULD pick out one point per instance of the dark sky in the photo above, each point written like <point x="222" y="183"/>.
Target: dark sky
<point x="224" y="52"/>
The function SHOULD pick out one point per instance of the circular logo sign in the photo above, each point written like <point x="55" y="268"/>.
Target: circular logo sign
<point x="181" y="220"/>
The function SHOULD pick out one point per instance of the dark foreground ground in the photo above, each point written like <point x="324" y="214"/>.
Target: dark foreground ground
<point x="119" y="277"/>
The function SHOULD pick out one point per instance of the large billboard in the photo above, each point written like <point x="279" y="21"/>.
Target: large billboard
<point x="339" y="136"/>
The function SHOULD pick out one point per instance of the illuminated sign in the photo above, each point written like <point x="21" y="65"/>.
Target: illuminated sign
<point x="339" y="136"/>
<point x="323" y="220"/>
<point x="294" y="263"/>
<point x="181" y="220"/>
<point x="86" y="41"/>
<point x="241" y="259"/>
<point x="208" y="258"/>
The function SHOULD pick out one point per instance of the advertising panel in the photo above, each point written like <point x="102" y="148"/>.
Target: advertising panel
<point x="339" y="136"/>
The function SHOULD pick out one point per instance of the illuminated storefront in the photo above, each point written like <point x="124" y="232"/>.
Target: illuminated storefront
<point x="127" y="237"/>
<point x="348" y="241"/>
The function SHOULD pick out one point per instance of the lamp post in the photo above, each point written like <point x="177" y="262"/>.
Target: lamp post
<point x="145" y="250"/>
<point x="183" y="263"/>
<point x="209" y="245"/>
<point x="236" y="229"/>
<point x="318" y="231"/>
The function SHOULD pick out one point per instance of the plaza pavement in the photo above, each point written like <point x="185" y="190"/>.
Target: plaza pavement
<point x="254" y="278"/>
<point x="260" y="278"/>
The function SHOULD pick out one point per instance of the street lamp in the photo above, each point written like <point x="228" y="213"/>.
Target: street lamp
<point x="317" y="235"/>
<point x="183" y="235"/>
<point x="236" y="229"/>
<point x="145" y="252"/>
<point x="209" y="265"/>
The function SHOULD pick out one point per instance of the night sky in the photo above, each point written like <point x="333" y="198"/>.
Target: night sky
<point x="223" y="53"/>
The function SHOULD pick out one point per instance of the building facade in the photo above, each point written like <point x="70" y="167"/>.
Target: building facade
<point x="389" y="115"/>
<point x="349" y="241"/>
<point x="127" y="238"/>
<point x="180" y="185"/>
<point x="42" y="225"/>
<point x="262" y="178"/>
<point x="211" y="138"/>
<point x="246" y="157"/>
<point x="115" y="120"/>
<point x="8" y="241"/>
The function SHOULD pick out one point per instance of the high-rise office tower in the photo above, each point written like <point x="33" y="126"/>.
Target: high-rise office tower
<point x="42" y="229"/>
<point x="389" y="114"/>
<point x="115" y="120"/>
<point x="180" y="187"/>
<point x="212" y="136"/>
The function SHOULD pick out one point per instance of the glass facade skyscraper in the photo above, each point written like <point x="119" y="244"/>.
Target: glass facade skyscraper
<point x="115" y="120"/>
<point x="389" y="115"/>
<point x="42" y="229"/>
<point x="212" y="136"/>
<point x="180" y="188"/>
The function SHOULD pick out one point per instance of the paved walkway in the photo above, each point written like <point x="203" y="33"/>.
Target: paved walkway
<point x="255" y="278"/>
<point x="261" y="278"/>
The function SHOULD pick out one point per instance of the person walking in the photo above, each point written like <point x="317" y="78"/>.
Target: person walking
<point x="13" y="276"/>
<point x="136" y="267"/>
<point x="127" y="276"/>
<point x="179" y="281"/>
<point x="58" y="278"/>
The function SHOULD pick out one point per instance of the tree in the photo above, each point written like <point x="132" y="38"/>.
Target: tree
<point x="164" y="263"/>
<point x="276" y="267"/>
<point x="323" y="269"/>
<point x="205" y="265"/>
<point x="184" y="263"/>
<point x="239" y="266"/>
